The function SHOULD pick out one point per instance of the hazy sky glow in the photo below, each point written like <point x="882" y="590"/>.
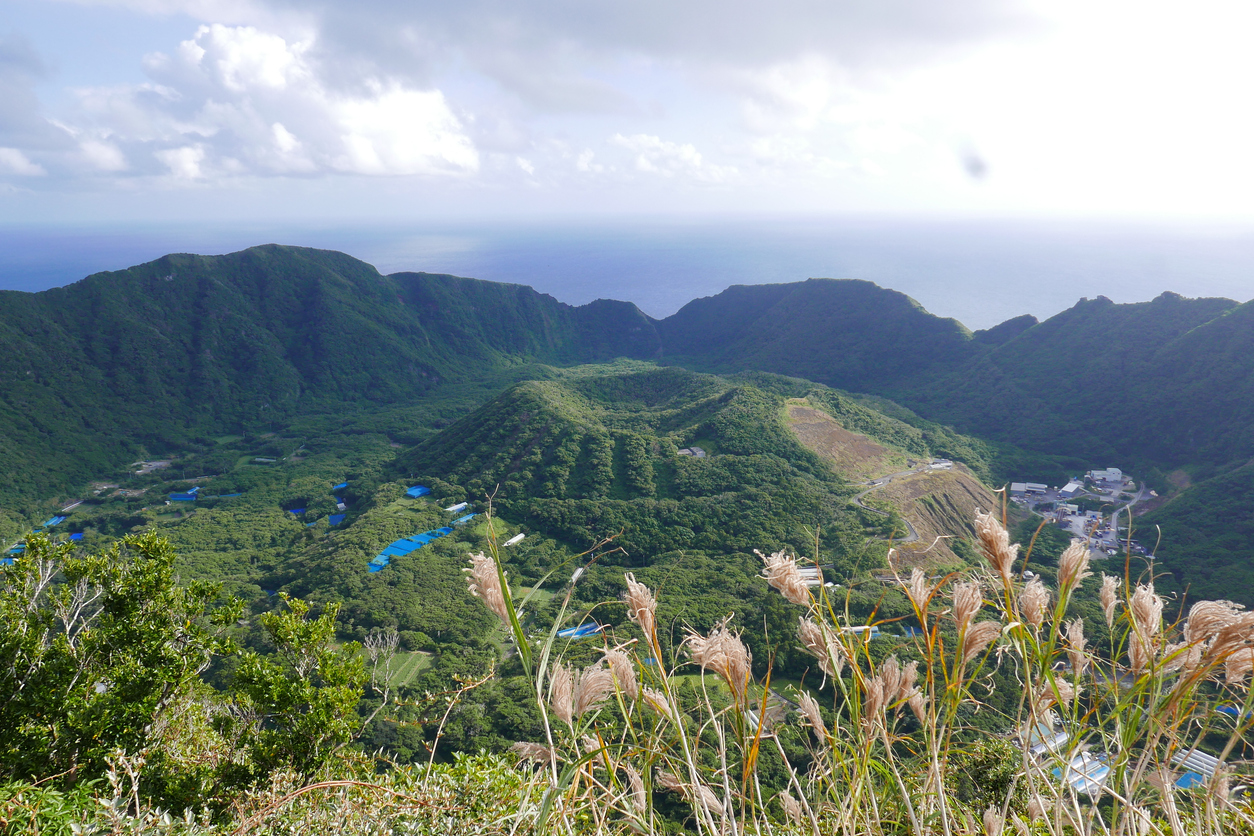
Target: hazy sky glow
<point x="187" y="109"/>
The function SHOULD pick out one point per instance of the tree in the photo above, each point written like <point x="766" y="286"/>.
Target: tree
<point x="295" y="709"/>
<point x="94" y="648"/>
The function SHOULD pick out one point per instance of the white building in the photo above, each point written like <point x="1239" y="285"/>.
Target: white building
<point x="1071" y="489"/>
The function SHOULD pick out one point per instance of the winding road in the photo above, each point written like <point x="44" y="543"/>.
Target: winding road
<point x="876" y="484"/>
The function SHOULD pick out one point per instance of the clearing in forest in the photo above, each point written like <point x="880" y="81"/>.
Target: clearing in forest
<point x="854" y="456"/>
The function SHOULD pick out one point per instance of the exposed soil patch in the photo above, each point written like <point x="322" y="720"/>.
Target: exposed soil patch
<point x="940" y="504"/>
<point x="853" y="456"/>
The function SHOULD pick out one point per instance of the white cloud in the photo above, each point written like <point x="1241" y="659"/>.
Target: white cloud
<point x="13" y="161"/>
<point x="526" y="165"/>
<point x="103" y="156"/>
<point x="184" y="163"/>
<point x="398" y="131"/>
<point x="654" y="155"/>
<point x="234" y="101"/>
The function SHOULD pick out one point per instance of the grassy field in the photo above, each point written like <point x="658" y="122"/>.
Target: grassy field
<point x="407" y="665"/>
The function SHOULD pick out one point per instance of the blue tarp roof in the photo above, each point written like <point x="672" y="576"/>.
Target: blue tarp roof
<point x="78" y="535"/>
<point x="18" y="549"/>
<point x="54" y="521"/>
<point x="182" y="497"/>
<point x="417" y="491"/>
<point x="464" y="520"/>
<point x="1190" y="779"/>
<point x="7" y="561"/>
<point x="296" y="511"/>
<point x="580" y="632"/>
<point x="405" y="545"/>
<point x="226" y="495"/>
<point x="336" y="519"/>
<point x="341" y="486"/>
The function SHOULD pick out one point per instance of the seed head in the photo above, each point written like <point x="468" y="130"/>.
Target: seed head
<point x="536" y="752"/>
<point x="967" y="602"/>
<point x="1076" y="644"/>
<point x="873" y="702"/>
<point x="890" y="674"/>
<point x="641" y="606"/>
<point x="639" y="802"/>
<point x="1239" y="665"/>
<point x="1073" y="566"/>
<point x="1206" y="618"/>
<point x="485" y="584"/>
<point x="810" y="710"/>
<point x="992" y="822"/>
<point x="562" y="694"/>
<point x="1109" y="597"/>
<point x="918" y="590"/>
<point x="918" y="705"/>
<point x="781" y="573"/>
<point x="818" y="642"/>
<point x="1147" y="619"/>
<point x="996" y="545"/>
<point x="658" y="702"/>
<point x="723" y="652"/>
<point x="593" y="686"/>
<point x="792" y="808"/>
<point x="977" y="638"/>
<point x="624" y="672"/>
<point x="1034" y="602"/>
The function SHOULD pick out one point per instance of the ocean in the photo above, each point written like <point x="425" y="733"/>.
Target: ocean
<point x="979" y="272"/>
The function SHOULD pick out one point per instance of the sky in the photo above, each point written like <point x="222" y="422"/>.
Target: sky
<point x="133" y="111"/>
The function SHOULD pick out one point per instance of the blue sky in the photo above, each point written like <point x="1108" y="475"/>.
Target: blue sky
<point x="216" y="110"/>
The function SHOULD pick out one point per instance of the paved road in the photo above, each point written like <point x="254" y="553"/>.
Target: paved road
<point x="880" y="482"/>
<point x="1141" y="495"/>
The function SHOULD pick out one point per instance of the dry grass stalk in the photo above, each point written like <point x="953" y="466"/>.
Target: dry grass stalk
<point x="792" y="808"/>
<point x="1034" y="602"/>
<point x="810" y="710"/>
<point x="818" y="642"/>
<point x="658" y="702"/>
<point x="485" y="584"/>
<point x="641" y="606"/>
<point x="1239" y="665"/>
<point x="977" y="638"/>
<point x="537" y="752"/>
<point x="639" y="801"/>
<point x="992" y="821"/>
<point x="919" y="591"/>
<point x="780" y="571"/>
<point x="1076" y="643"/>
<point x="996" y="545"/>
<point x="967" y="602"/>
<point x="1207" y="618"/>
<point x="562" y="694"/>
<point x="592" y="687"/>
<point x="1147" y="618"/>
<point x="1073" y="565"/>
<point x="723" y="652"/>
<point x="624" y="672"/>
<point x="1109" y="597"/>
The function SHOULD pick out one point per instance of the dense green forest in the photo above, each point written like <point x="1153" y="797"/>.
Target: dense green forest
<point x="298" y="394"/>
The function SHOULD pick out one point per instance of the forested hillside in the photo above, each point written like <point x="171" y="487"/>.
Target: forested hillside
<point x="191" y="346"/>
<point x="849" y="334"/>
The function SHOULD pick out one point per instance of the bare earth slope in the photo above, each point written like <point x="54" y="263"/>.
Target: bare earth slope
<point x="938" y="504"/>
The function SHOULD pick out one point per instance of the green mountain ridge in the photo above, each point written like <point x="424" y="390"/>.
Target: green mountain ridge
<point x="171" y="353"/>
